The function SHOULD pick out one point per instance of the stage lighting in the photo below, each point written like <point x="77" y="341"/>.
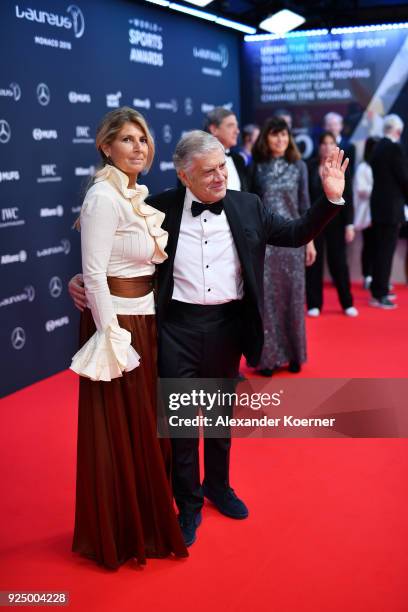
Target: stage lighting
<point x="199" y="2"/>
<point x="282" y="22"/>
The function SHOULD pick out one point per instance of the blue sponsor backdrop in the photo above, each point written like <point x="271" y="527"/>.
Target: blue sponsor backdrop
<point x="64" y="66"/>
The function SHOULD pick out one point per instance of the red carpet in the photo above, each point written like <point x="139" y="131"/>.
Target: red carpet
<point x="328" y="525"/>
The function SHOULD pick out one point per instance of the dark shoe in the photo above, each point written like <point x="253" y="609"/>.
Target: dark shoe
<point x="294" y="366"/>
<point x="227" y="503"/>
<point x="383" y="303"/>
<point x="265" y="372"/>
<point x="189" y="522"/>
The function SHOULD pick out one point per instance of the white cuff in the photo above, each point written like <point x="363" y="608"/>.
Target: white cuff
<point x="106" y="355"/>
<point x="338" y="202"/>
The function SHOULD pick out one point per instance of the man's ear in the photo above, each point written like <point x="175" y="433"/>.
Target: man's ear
<point x="183" y="178"/>
<point x="212" y="129"/>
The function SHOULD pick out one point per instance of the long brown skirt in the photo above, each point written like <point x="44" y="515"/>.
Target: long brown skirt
<point x="124" y="504"/>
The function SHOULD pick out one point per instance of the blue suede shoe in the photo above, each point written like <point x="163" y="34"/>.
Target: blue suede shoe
<point x="189" y="522"/>
<point x="227" y="503"/>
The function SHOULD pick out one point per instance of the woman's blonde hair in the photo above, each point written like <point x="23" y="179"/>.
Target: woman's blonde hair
<point x="107" y="131"/>
<point x="111" y="125"/>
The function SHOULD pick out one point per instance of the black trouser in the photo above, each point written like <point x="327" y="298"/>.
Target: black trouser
<point x="367" y="252"/>
<point x="200" y="342"/>
<point x="385" y="238"/>
<point x="331" y="239"/>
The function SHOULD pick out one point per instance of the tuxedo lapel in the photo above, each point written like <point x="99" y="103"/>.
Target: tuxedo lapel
<point x="173" y="222"/>
<point x="241" y="242"/>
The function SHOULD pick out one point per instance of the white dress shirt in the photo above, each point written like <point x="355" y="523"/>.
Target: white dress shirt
<point x="233" y="181"/>
<point x="207" y="269"/>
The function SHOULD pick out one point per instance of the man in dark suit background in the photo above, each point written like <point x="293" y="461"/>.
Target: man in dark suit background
<point x="223" y="124"/>
<point x="210" y="296"/>
<point x="389" y="194"/>
<point x="333" y="122"/>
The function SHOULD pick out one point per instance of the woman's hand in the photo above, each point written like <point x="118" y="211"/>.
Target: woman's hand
<point x="310" y="253"/>
<point x="333" y="175"/>
<point x="76" y="290"/>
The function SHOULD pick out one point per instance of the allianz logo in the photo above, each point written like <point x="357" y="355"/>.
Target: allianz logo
<point x="53" y="324"/>
<point x="58" y="211"/>
<point x="28" y="295"/>
<point x="90" y="171"/>
<point x="39" y="134"/>
<point x="20" y="257"/>
<point x="113" y="99"/>
<point x="9" y="175"/>
<point x="166" y="166"/>
<point x="74" y="21"/>
<point x="75" y="97"/>
<point x="12" y="91"/>
<point x="64" y="247"/>
<point x="171" y="105"/>
<point x="219" y="55"/>
<point x="138" y="103"/>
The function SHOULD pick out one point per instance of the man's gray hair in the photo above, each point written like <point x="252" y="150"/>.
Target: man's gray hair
<point x="332" y="115"/>
<point x="216" y="117"/>
<point x="194" y="144"/>
<point x="392" y="123"/>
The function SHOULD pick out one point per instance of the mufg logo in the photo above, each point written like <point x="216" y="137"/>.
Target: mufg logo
<point x="74" y="21"/>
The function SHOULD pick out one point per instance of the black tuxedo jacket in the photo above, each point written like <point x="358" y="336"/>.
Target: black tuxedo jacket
<point x="242" y="170"/>
<point x="390" y="188"/>
<point x="252" y="227"/>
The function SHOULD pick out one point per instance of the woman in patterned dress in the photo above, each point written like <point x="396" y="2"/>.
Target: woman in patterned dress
<point x="279" y="177"/>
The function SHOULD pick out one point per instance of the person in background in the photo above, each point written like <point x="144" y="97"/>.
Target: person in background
<point x="362" y="188"/>
<point x="124" y="504"/>
<point x="389" y="194"/>
<point x="279" y="177"/>
<point x="222" y="123"/>
<point x="286" y="115"/>
<point x="333" y="239"/>
<point x="333" y="122"/>
<point x="250" y="133"/>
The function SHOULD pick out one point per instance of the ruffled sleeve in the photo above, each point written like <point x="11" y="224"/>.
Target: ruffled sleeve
<point x="108" y="353"/>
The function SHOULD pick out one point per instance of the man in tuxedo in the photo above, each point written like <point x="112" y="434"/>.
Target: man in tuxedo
<point x="389" y="194"/>
<point x="222" y="123"/>
<point x="210" y="296"/>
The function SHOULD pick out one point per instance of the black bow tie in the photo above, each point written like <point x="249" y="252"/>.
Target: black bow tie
<point x="198" y="207"/>
<point x="228" y="153"/>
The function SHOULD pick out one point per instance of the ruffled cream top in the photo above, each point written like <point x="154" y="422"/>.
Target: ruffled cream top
<point x="121" y="236"/>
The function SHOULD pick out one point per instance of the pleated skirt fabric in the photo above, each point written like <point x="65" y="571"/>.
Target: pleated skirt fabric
<point x="124" y="503"/>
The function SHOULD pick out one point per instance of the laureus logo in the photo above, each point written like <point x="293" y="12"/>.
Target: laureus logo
<point x="74" y="21"/>
<point x="78" y="21"/>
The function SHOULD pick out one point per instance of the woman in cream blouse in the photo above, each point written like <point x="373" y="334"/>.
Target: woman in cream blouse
<point x="124" y="506"/>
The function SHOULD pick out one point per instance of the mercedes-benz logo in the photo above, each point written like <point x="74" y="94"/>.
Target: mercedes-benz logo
<point x="30" y="292"/>
<point x="16" y="89"/>
<point x="43" y="94"/>
<point x="5" y="131"/>
<point x="18" y="338"/>
<point x="55" y="286"/>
